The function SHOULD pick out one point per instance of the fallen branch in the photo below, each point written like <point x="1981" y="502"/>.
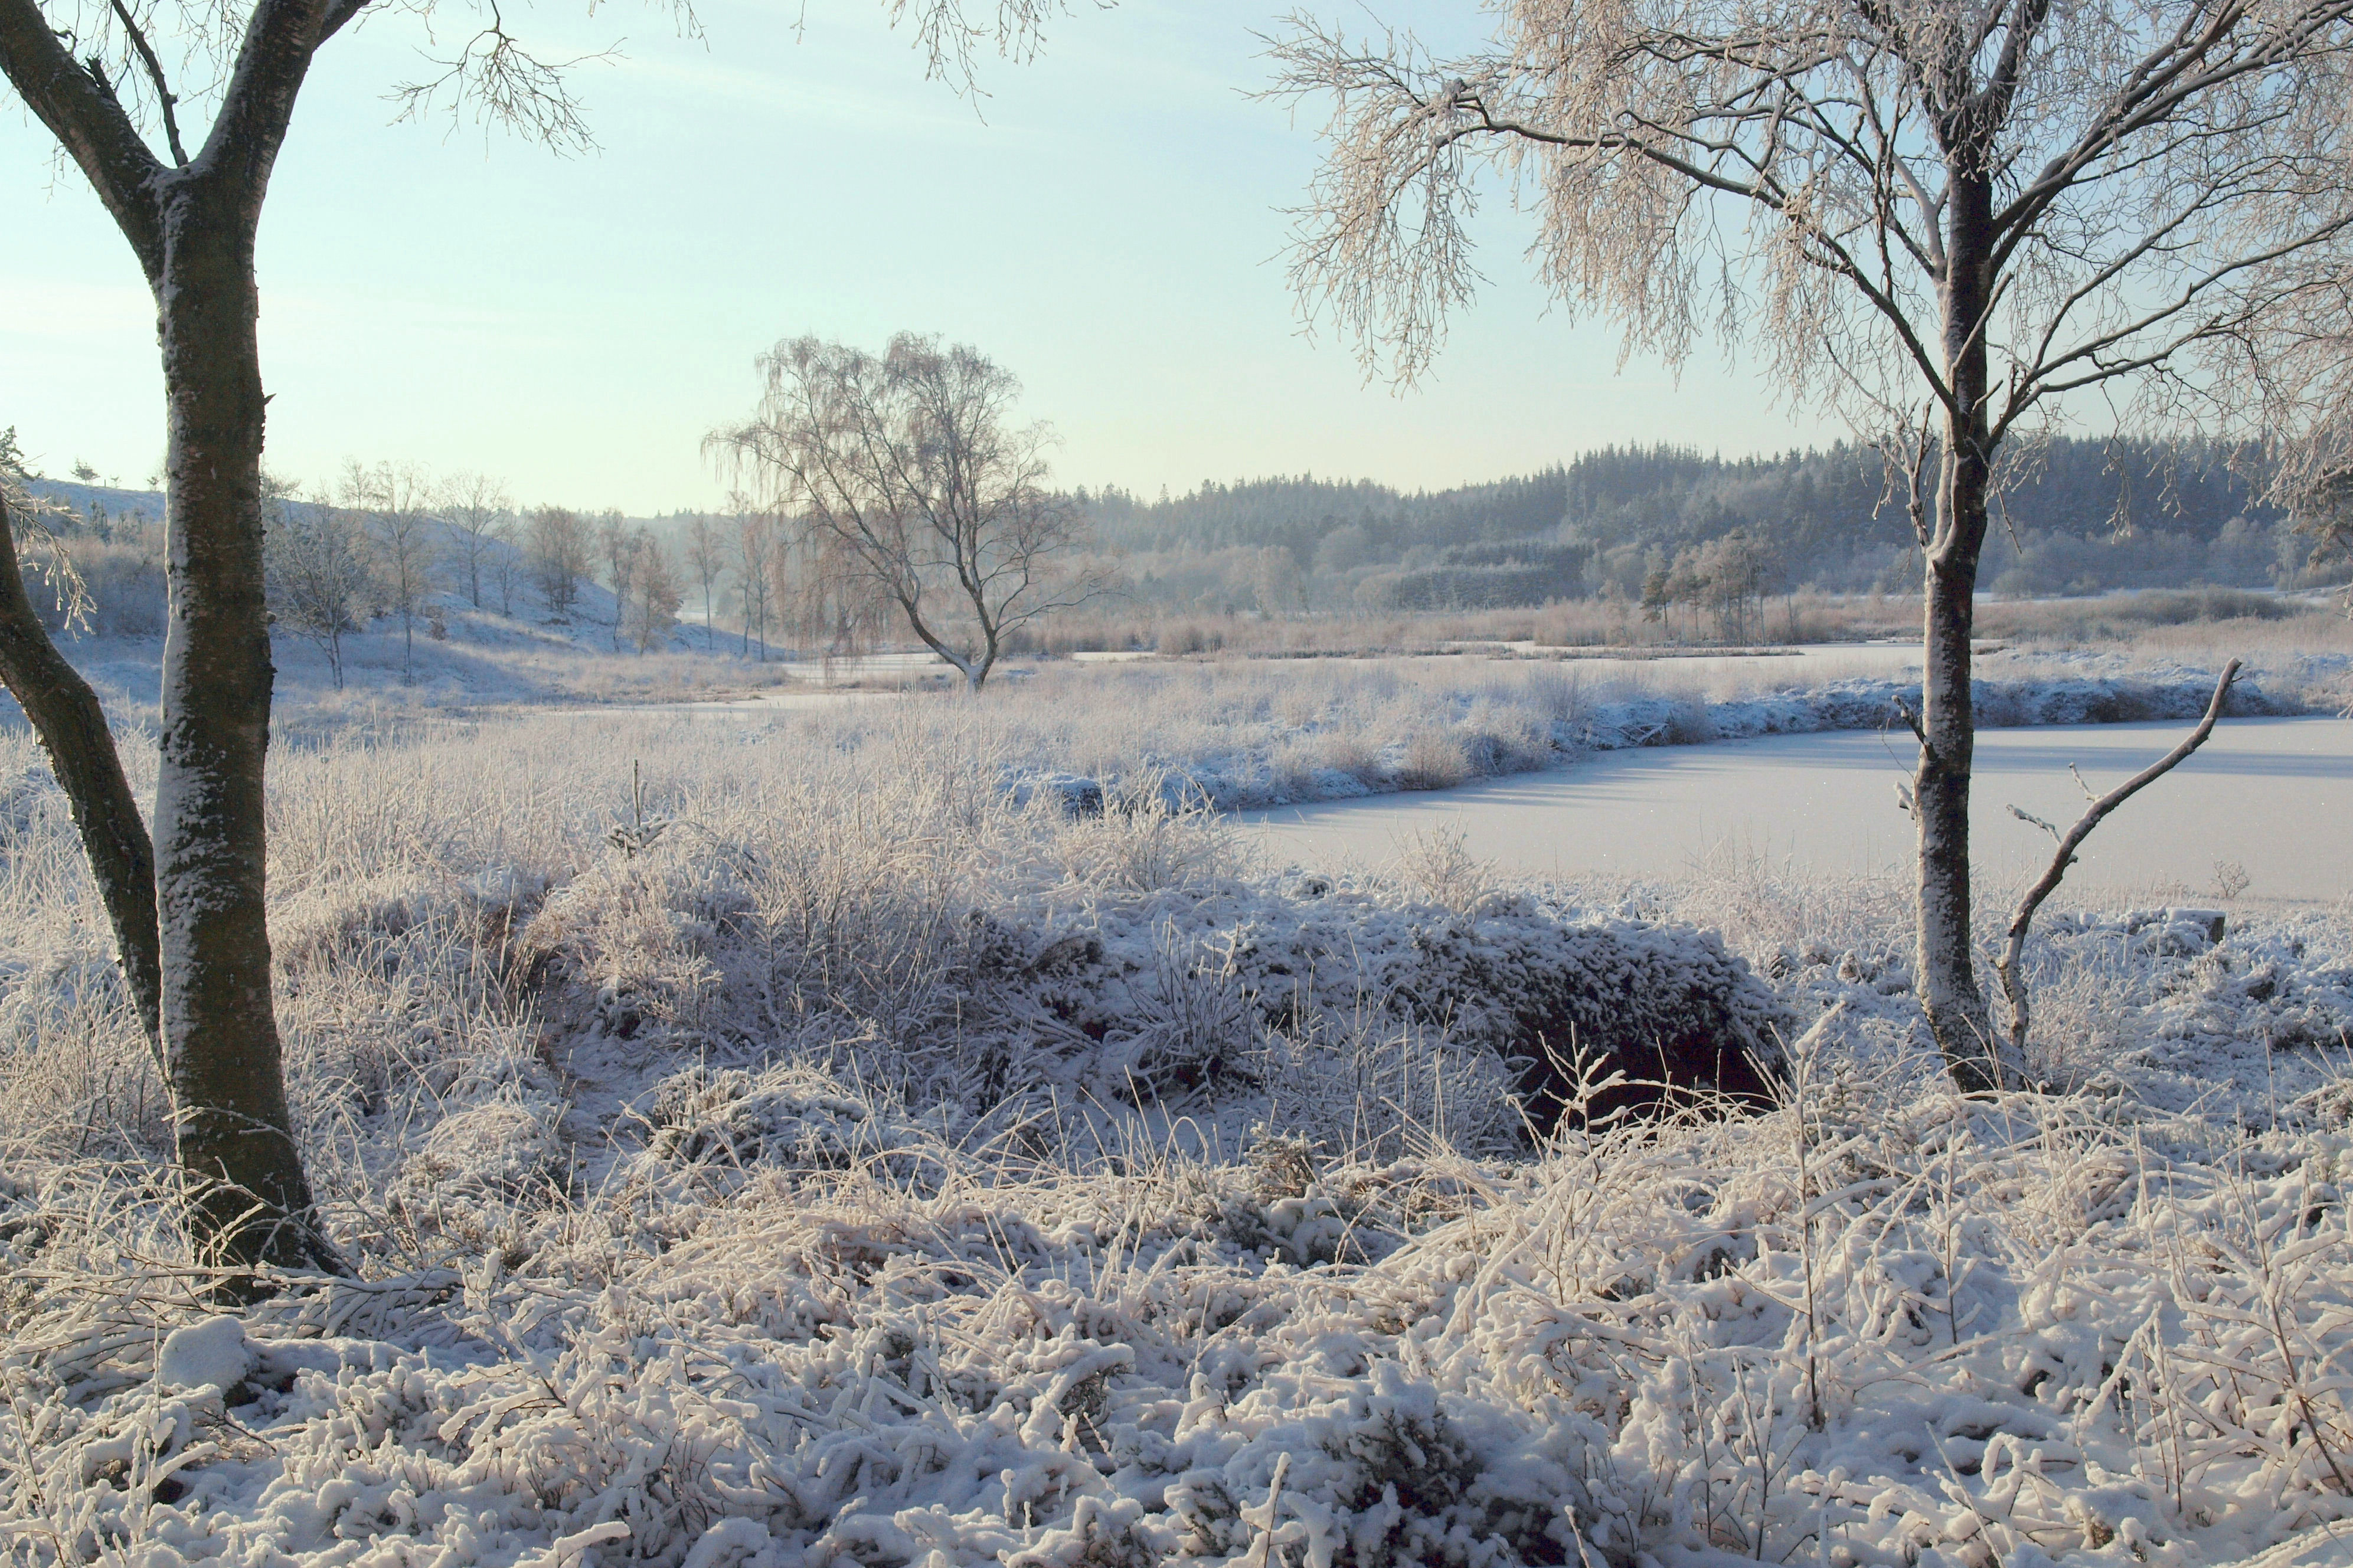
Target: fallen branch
<point x="2013" y="983"/>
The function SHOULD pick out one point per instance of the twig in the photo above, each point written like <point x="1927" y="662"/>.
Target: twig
<point x="164" y="96"/>
<point x="1911" y="722"/>
<point x="2014" y="983"/>
<point x="2026" y="816"/>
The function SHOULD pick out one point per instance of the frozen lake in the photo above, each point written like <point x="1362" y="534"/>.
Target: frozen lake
<point x="2270" y="794"/>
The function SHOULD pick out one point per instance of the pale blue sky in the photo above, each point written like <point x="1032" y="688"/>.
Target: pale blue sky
<point x="1110" y="231"/>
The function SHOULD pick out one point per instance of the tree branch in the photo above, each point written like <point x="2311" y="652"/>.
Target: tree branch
<point x="66" y="714"/>
<point x="2014" y="983"/>
<point x="258" y="104"/>
<point x="164" y="96"/>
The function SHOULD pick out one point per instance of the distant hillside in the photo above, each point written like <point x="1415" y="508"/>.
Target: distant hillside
<point x="1662" y="526"/>
<point x="100" y="500"/>
<point x="115" y="537"/>
<point x="2079" y="516"/>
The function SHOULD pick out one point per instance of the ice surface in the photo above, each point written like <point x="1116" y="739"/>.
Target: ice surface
<point x="2263" y="792"/>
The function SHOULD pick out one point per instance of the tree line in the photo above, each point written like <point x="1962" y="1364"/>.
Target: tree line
<point x="1694" y="541"/>
<point x="2075" y="515"/>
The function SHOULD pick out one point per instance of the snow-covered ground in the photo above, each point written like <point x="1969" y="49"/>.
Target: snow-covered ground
<point x="483" y="663"/>
<point x="839" y="1167"/>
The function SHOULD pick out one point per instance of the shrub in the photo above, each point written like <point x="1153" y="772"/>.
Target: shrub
<point x="1433" y="760"/>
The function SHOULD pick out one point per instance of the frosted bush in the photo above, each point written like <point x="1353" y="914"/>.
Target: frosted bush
<point x="1352" y="755"/>
<point x="631" y="943"/>
<point x="498" y="1149"/>
<point x="1292" y="767"/>
<point x="1433" y="759"/>
<point x="1436" y="863"/>
<point x="723" y="1125"/>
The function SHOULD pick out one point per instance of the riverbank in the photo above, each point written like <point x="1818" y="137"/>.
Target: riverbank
<point x="1315" y="752"/>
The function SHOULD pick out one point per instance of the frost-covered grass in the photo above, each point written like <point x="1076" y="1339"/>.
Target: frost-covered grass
<point x="831" y="1164"/>
<point x="1255" y="733"/>
<point x="1596" y="624"/>
<point x="1240" y="732"/>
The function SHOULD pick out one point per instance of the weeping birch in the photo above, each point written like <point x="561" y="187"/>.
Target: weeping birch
<point x="1956" y="224"/>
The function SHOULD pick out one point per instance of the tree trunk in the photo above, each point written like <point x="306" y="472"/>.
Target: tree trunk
<point x="66" y="715"/>
<point x="1949" y="993"/>
<point x="249" y="1202"/>
<point x="1948" y="990"/>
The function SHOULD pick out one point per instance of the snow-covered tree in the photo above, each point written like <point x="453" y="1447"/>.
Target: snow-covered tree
<point x="907" y="473"/>
<point x="321" y="568"/>
<point x="1952" y="221"/>
<point x="116" y="82"/>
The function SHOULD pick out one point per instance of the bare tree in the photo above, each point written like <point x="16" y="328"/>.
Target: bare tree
<point x="96" y="79"/>
<point x="619" y="548"/>
<point x="407" y="540"/>
<point x="2312" y="458"/>
<point x="756" y="543"/>
<point x="558" y="544"/>
<point x="653" y="610"/>
<point x="909" y="465"/>
<point x="506" y="564"/>
<point x="322" y="569"/>
<point x="480" y="521"/>
<point x="706" y="552"/>
<point x="1948" y="220"/>
<point x="825" y="603"/>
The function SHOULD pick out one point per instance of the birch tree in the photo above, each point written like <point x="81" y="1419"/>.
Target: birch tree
<point x="480" y="521"/>
<point x="756" y="543"/>
<point x="2312" y="471"/>
<point x="66" y="714"/>
<point x="706" y="552"/>
<point x="653" y="609"/>
<point x="620" y="547"/>
<point x="908" y="471"/>
<point x="558" y="545"/>
<point x="321" y="568"/>
<point x="1957" y="223"/>
<point x="174" y="111"/>
<point x="406" y="541"/>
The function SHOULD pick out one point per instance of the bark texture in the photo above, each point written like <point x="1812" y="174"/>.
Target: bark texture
<point x="66" y="715"/>
<point x="249" y="1200"/>
<point x="1948" y="988"/>
<point x="192" y="224"/>
<point x="1949" y="993"/>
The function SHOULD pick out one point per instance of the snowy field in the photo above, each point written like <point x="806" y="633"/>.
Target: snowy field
<point x="824" y="1163"/>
